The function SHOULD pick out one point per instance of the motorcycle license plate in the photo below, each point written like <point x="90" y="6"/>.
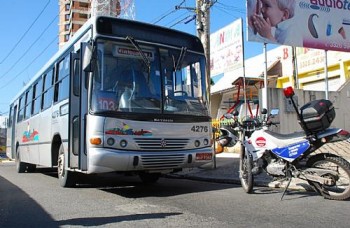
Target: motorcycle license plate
<point x="204" y="156"/>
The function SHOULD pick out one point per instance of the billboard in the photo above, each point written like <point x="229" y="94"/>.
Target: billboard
<point x="226" y="49"/>
<point x="321" y="24"/>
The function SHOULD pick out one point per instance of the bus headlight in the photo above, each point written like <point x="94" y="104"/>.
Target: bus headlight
<point x="197" y="143"/>
<point x="110" y="141"/>
<point x="205" y="142"/>
<point x="123" y="143"/>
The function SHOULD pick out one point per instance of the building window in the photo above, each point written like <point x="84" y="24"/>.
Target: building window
<point x="66" y="17"/>
<point x="66" y="37"/>
<point x="66" y="27"/>
<point x="84" y="4"/>
<point x="67" y="7"/>
<point x="83" y="16"/>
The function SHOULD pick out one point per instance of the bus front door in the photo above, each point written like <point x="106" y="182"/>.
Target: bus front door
<point x="77" y="114"/>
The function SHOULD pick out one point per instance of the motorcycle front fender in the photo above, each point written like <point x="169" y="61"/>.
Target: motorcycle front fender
<point x="256" y="154"/>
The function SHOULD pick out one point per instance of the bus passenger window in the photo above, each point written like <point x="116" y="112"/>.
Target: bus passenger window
<point x="48" y="90"/>
<point x="37" y="97"/>
<point x="28" y="108"/>
<point x="76" y="78"/>
<point x="21" y="109"/>
<point x="9" y="122"/>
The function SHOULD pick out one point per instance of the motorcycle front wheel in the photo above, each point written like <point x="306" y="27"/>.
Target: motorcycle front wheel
<point x="340" y="188"/>
<point x="245" y="170"/>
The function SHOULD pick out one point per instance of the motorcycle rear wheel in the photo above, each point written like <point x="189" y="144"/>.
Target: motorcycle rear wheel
<point x="340" y="190"/>
<point x="245" y="170"/>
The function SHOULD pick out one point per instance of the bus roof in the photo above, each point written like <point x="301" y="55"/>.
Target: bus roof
<point x="144" y="29"/>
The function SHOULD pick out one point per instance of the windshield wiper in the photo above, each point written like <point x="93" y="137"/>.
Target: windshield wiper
<point x="144" y="57"/>
<point x="181" y="58"/>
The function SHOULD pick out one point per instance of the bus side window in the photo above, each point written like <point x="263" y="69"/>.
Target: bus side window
<point x="28" y="108"/>
<point x="38" y="88"/>
<point x="21" y="109"/>
<point x="76" y="77"/>
<point x="9" y="122"/>
<point x="47" y="91"/>
<point x="62" y="80"/>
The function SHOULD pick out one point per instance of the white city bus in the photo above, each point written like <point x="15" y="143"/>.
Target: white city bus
<point x="121" y="96"/>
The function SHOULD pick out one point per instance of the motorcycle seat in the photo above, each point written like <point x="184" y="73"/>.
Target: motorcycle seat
<point x="287" y="139"/>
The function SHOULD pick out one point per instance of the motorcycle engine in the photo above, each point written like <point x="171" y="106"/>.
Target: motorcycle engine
<point x="275" y="168"/>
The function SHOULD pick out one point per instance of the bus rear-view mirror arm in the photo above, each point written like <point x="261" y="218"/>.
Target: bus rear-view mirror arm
<point x="87" y="49"/>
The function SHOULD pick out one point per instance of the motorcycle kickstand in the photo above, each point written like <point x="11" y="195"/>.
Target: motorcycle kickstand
<point x="289" y="178"/>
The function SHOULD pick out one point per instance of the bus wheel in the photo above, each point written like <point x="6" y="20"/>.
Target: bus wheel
<point x="31" y="168"/>
<point x="66" y="178"/>
<point x="20" y="166"/>
<point x="149" y="178"/>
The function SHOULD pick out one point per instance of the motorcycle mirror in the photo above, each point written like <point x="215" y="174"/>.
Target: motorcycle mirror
<point x="264" y="111"/>
<point x="275" y="111"/>
<point x="235" y="113"/>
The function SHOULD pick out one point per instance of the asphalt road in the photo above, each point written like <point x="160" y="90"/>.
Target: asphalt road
<point x="36" y="200"/>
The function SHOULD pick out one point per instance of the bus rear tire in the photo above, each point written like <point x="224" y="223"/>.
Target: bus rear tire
<point x="66" y="178"/>
<point x="20" y="166"/>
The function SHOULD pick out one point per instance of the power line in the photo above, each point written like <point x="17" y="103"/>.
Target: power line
<point x="164" y="16"/>
<point x="25" y="33"/>
<point x="34" y="59"/>
<point x="187" y="18"/>
<point x="169" y="12"/>
<point x="175" y="19"/>
<point x="28" y="49"/>
<point x="228" y="8"/>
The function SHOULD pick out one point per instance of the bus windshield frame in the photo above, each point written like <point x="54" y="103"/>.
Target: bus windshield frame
<point x="147" y="78"/>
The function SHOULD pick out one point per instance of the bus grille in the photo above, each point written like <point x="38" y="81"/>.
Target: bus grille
<point x="162" y="144"/>
<point x="166" y="161"/>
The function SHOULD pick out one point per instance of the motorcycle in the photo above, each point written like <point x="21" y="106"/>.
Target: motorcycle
<point x="287" y="156"/>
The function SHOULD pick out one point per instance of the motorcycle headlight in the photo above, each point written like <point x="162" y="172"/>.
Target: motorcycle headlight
<point x="223" y="141"/>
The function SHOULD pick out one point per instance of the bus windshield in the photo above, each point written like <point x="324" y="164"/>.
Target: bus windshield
<point x="148" y="79"/>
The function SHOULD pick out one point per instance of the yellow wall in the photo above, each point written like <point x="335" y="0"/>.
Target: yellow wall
<point x="340" y="70"/>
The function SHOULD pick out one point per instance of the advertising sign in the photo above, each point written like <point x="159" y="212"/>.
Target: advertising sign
<point x="226" y="49"/>
<point x="321" y="24"/>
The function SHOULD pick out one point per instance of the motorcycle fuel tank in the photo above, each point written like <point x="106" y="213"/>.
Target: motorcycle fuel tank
<point x="293" y="151"/>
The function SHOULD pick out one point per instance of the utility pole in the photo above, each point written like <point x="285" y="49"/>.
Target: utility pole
<point x="203" y="32"/>
<point x="202" y="11"/>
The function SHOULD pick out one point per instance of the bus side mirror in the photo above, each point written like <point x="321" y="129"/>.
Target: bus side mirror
<point x="87" y="50"/>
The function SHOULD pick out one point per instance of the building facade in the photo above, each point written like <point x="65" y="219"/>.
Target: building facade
<point x="307" y="72"/>
<point x="74" y="13"/>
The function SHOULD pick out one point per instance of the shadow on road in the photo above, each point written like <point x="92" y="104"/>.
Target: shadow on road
<point x="130" y="186"/>
<point x="100" y="221"/>
<point x="18" y="209"/>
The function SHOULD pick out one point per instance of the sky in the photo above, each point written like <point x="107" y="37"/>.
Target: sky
<point x="29" y="34"/>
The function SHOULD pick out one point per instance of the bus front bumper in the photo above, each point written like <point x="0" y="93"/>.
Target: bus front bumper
<point x="102" y="160"/>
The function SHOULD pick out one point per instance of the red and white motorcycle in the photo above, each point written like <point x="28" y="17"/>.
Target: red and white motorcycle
<point x="292" y="155"/>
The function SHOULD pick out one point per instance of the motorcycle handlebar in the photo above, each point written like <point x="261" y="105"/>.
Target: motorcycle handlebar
<point x="270" y="122"/>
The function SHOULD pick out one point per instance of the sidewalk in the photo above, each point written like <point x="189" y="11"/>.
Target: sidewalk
<point x="225" y="169"/>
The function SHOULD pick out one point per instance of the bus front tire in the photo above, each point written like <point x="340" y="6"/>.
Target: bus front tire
<point x="66" y="178"/>
<point x="31" y="168"/>
<point x="149" y="178"/>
